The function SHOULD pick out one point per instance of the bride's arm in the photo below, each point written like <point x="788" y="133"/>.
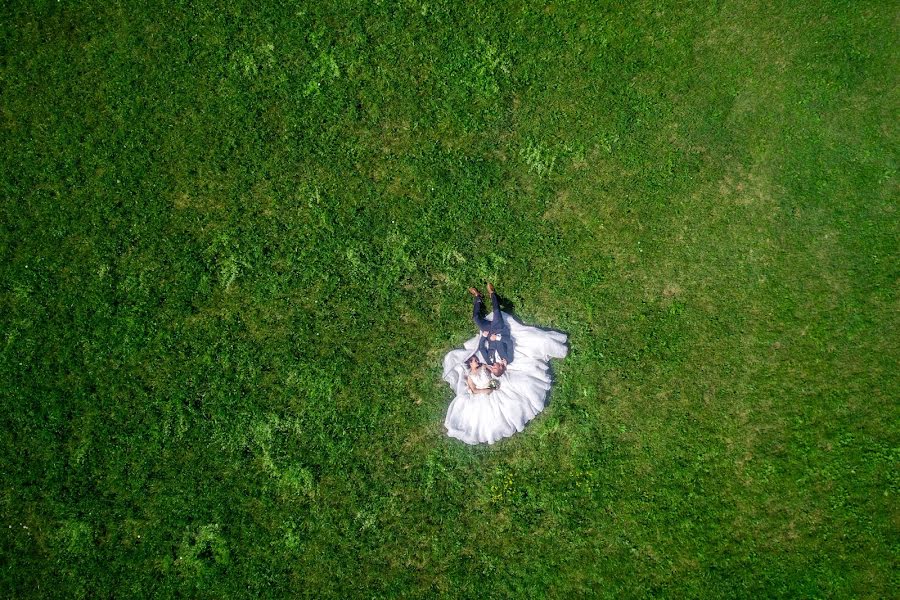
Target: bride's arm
<point x="475" y="390"/>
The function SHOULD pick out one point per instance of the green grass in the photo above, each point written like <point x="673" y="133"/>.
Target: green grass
<point x="235" y="244"/>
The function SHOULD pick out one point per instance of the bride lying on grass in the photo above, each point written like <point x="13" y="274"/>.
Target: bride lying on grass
<point x="479" y="380"/>
<point x="492" y="403"/>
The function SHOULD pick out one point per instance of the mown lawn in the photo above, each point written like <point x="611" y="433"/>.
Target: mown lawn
<point x="235" y="244"/>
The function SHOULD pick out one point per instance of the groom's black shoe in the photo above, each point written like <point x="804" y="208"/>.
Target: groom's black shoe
<point x="474" y="292"/>
<point x="490" y="288"/>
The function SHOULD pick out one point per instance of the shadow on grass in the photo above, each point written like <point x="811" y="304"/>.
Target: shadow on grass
<point x="506" y="305"/>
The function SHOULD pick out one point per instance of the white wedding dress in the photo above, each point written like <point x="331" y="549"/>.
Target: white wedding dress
<point x="486" y="418"/>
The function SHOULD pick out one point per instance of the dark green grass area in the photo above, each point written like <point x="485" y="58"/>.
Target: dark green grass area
<point x="234" y="247"/>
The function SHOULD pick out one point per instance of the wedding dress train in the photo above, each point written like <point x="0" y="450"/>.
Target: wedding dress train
<point x="486" y="418"/>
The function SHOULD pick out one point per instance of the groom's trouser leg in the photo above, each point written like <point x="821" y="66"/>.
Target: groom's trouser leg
<point x="498" y="318"/>
<point x="480" y="323"/>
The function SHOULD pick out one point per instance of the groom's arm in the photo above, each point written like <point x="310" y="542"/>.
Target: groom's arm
<point x="504" y="349"/>
<point x="483" y="347"/>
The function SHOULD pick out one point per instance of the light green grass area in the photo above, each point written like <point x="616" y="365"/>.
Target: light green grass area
<point x="234" y="247"/>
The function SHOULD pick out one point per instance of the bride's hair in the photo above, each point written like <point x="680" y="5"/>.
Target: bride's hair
<point x="475" y="358"/>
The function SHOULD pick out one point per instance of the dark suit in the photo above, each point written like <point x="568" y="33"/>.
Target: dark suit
<point x="487" y="348"/>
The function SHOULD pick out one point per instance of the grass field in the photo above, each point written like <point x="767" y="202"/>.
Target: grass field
<point x="235" y="244"/>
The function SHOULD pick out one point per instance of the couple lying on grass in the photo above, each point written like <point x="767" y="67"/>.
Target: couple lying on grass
<point x="501" y="377"/>
<point x="494" y="346"/>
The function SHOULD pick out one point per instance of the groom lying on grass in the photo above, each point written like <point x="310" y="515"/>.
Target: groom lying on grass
<point x="495" y="347"/>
